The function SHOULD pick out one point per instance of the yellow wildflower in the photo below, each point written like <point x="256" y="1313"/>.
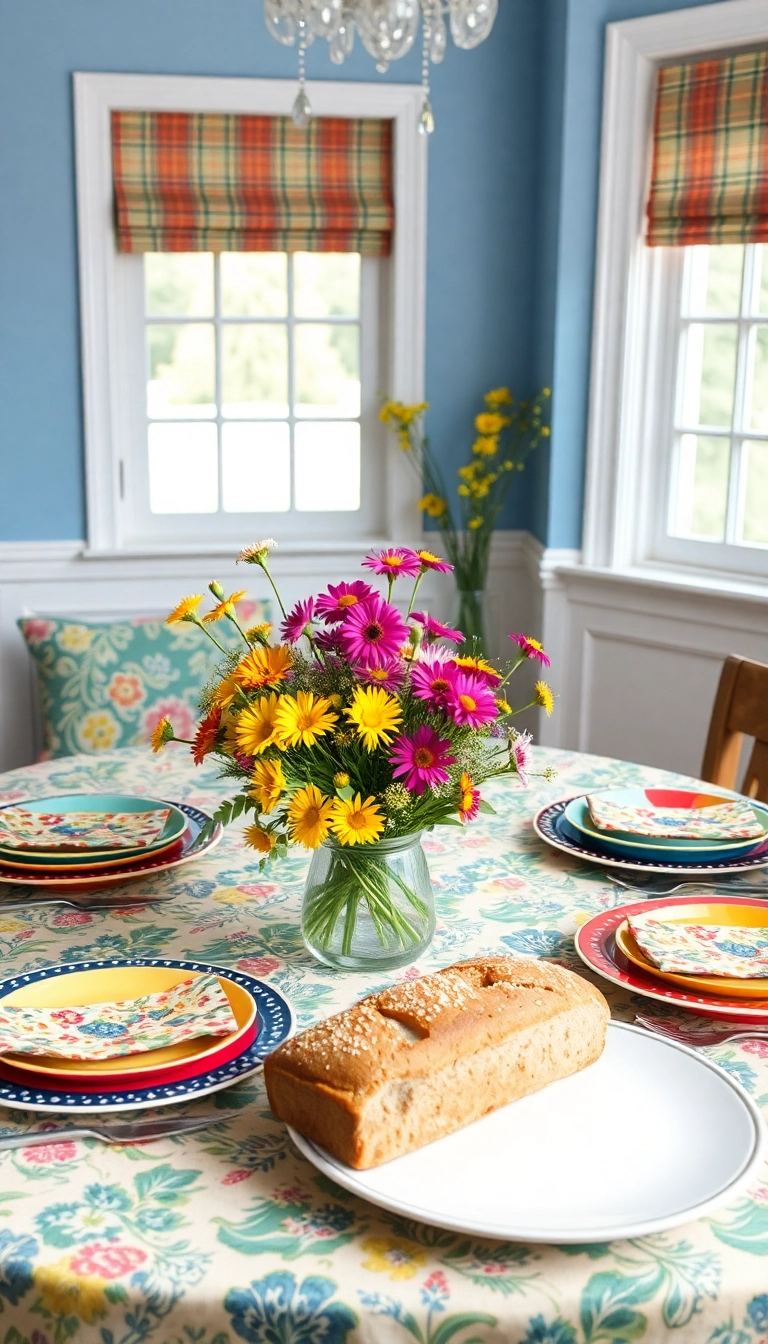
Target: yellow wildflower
<point x="224" y="608"/>
<point x="309" y="814"/>
<point x="462" y="490"/>
<point x="259" y="839"/>
<point x="503" y="705"/>
<point x="186" y="610"/>
<point x="255" y="729"/>
<point x="259" y="634"/>
<point x="545" y="430"/>
<point x="161" y="734"/>
<point x="394" y="1256"/>
<point x="486" y="445"/>
<point x="489" y="422"/>
<point x="268" y="784"/>
<point x="375" y="714"/>
<point x="302" y="720"/>
<point x="475" y="523"/>
<point x="544" y="697"/>
<point x="64" y="1293"/>
<point x="341" y="780"/>
<point x="433" y="505"/>
<point x="355" y="822"/>
<point x="498" y="396"/>
<point x="226" y="690"/>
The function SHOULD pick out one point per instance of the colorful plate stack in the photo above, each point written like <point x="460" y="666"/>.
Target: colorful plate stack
<point x="659" y="830"/>
<point x="707" y="955"/>
<point x="120" y="1035"/>
<point x="84" y="841"/>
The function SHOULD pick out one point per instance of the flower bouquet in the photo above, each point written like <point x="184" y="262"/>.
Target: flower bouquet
<point x="506" y="431"/>
<point x="353" y="734"/>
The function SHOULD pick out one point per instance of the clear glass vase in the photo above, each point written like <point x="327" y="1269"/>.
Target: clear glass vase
<point x="368" y="907"/>
<point x="469" y="618"/>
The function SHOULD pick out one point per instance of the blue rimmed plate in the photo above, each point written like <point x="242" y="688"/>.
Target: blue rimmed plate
<point x="97" y="803"/>
<point x="276" y="1024"/>
<point x="622" y="846"/>
<point x="551" y="826"/>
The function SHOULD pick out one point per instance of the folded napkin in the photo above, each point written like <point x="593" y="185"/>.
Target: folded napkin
<point x="723" y="821"/>
<point x="73" y="831"/>
<point x="702" y="949"/>
<point x="197" y="1007"/>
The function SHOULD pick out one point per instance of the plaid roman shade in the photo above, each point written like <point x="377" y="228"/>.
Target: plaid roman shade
<point x="709" y="182"/>
<point x="214" y="182"/>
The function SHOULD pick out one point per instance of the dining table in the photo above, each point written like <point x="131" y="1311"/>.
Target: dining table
<point x="229" y="1233"/>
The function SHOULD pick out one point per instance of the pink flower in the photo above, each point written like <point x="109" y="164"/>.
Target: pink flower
<point x="258" y="965"/>
<point x="521" y="752"/>
<point x="759" y="1048"/>
<point x="394" y="562"/>
<point x="469" y="701"/>
<point x="37" y="630"/>
<point x="295" y="622"/>
<point x="233" y="1177"/>
<point x="389" y="676"/>
<point x="334" y="605"/>
<point x="373" y="632"/>
<point x="531" y="648"/>
<point x="43" y="1153"/>
<point x="435" y="629"/>
<point x="432" y="681"/>
<point x="422" y="759"/>
<point x="437" y="1282"/>
<point x="106" y="1262"/>
<point x="180" y="714"/>
<point x="329" y="640"/>
<point x="430" y="561"/>
<point x="125" y="690"/>
<point x="68" y="1016"/>
<point x="72" y="919"/>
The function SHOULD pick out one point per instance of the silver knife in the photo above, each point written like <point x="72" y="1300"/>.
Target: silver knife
<point x="117" y="1131"/>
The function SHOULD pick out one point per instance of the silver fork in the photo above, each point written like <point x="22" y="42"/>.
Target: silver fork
<point x="713" y="1036"/>
<point x="718" y="888"/>
<point x="71" y="903"/>
<point x="115" y="1131"/>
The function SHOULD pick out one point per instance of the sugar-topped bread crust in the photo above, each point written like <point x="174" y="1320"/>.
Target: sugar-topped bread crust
<point x="426" y="1056"/>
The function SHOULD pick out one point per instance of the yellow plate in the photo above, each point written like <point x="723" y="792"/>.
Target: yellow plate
<point x="722" y="916"/>
<point x="113" y="984"/>
<point x="71" y="870"/>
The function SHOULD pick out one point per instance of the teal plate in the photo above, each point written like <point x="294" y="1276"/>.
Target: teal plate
<point x="94" y="802"/>
<point x="661" y="849"/>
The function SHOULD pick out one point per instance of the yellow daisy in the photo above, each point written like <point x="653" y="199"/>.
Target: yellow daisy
<point x="259" y="839"/>
<point x="259" y="634"/>
<point x="433" y="505"/>
<point x="302" y="720"/>
<point x="375" y="714"/>
<point x="263" y="667"/>
<point x="309" y="817"/>
<point x="224" y="608"/>
<point x="488" y="422"/>
<point x="544" y="697"/>
<point x="161" y="734"/>
<point x="268" y="784"/>
<point x="354" y="822"/>
<point x="480" y="665"/>
<point x="186" y="610"/>
<point x="255" y="728"/>
<point x="226" y="690"/>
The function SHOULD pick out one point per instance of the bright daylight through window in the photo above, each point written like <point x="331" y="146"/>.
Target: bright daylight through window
<point x="719" y="480"/>
<point x="253" y="382"/>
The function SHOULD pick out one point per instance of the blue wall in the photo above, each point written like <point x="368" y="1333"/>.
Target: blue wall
<point x="482" y="182"/>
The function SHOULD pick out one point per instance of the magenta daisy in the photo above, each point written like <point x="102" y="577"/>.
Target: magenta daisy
<point x="530" y="648"/>
<point x="389" y="676"/>
<point x="435" y="629"/>
<point x="373" y="632"/>
<point x="295" y="623"/>
<point x="521" y="753"/>
<point x="394" y="562"/>
<point x="432" y="681"/>
<point x="469" y="701"/>
<point x="328" y="640"/>
<point x="334" y="605"/>
<point x="421" y="760"/>
<point x="430" y="561"/>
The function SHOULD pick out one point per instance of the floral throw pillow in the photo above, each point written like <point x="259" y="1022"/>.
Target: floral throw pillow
<point x="108" y="684"/>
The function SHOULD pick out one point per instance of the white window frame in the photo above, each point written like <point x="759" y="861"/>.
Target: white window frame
<point x="636" y="308"/>
<point x="109" y="401"/>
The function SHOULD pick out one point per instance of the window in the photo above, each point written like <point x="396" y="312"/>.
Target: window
<point x="237" y="393"/>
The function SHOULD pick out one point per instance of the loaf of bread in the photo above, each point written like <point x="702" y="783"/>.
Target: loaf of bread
<point x="427" y="1056"/>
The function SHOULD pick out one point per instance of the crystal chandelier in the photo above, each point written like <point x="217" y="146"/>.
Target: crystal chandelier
<point x="386" y="28"/>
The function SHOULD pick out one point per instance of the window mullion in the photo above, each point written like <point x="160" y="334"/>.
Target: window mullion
<point x="735" y="505"/>
<point x="291" y="382"/>
<point x="217" y="371"/>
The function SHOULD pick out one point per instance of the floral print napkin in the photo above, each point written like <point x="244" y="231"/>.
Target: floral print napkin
<point x="196" y="1007"/>
<point x="702" y="949"/>
<point x="63" y="831"/>
<point x="724" y="821"/>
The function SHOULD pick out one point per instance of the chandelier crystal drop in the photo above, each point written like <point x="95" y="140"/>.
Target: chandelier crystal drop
<point x="387" y="30"/>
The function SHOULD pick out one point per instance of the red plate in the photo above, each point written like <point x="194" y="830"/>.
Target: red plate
<point x="596" y="946"/>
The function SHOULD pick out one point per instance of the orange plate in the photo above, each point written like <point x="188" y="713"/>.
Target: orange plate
<point x="719" y="985"/>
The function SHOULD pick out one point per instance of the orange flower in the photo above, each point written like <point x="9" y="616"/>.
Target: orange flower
<point x="205" y="737"/>
<point x="263" y="667"/>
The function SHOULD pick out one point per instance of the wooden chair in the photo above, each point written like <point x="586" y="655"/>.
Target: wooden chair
<point x="741" y="706"/>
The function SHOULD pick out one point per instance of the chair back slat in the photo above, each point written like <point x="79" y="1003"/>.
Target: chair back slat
<point x="741" y="707"/>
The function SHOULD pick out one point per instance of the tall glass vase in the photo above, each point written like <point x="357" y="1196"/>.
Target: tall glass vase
<point x="368" y="907"/>
<point x="469" y="618"/>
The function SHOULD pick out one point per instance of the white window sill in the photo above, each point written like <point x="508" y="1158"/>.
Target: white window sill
<point x="708" y="583"/>
<point x="228" y="550"/>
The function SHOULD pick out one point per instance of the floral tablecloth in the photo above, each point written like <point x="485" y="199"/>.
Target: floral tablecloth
<point x="230" y="1234"/>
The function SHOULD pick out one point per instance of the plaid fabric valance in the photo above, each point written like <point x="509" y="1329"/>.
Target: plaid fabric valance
<point x="212" y="182"/>
<point x="710" y="156"/>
